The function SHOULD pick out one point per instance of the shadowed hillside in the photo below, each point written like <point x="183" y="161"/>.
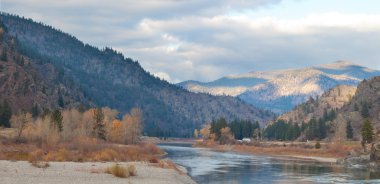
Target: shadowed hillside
<point x="106" y="78"/>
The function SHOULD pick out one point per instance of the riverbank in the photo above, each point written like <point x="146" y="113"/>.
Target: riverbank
<point x="329" y="153"/>
<point x="22" y="172"/>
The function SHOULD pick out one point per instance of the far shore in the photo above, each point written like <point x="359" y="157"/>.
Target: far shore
<point x="22" y="172"/>
<point x="329" y="153"/>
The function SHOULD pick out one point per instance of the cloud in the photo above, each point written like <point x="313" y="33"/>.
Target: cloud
<point x="204" y="40"/>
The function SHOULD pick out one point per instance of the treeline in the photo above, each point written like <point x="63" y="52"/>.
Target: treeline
<point x="5" y="114"/>
<point x="313" y="130"/>
<point x="281" y="130"/>
<point x="226" y="132"/>
<point x="65" y="125"/>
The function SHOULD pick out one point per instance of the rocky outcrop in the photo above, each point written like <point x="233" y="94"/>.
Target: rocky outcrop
<point x="364" y="104"/>
<point x="333" y="99"/>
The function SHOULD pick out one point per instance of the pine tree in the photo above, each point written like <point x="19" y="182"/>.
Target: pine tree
<point x="61" y="102"/>
<point x="35" y="110"/>
<point x="367" y="131"/>
<point x="365" y="110"/>
<point x="99" y="130"/>
<point x="356" y="108"/>
<point x="57" y="120"/>
<point x="321" y="129"/>
<point x="4" y="54"/>
<point x="5" y="114"/>
<point x="349" y="131"/>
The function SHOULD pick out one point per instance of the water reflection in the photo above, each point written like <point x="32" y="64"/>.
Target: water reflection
<point x="207" y="166"/>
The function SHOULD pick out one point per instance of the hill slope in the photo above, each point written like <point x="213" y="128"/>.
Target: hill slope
<point x="33" y="85"/>
<point x="106" y="78"/>
<point x="337" y="108"/>
<point x="364" y="104"/>
<point x="282" y="90"/>
<point x="333" y="99"/>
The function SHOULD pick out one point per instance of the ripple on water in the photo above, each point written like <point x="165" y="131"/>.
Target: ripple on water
<point x="206" y="166"/>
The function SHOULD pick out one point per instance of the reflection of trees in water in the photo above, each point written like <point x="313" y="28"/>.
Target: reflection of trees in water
<point x="364" y="174"/>
<point x="230" y="168"/>
<point x="243" y="172"/>
<point x="298" y="168"/>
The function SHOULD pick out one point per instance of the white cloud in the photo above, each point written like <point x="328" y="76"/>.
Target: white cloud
<point x="203" y="40"/>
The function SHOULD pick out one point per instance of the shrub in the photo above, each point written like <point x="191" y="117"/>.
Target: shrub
<point x="317" y="145"/>
<point x="40" y="164"/>
<point x="154" y="160"/>
<point x="132" y="170"/>
<point x="118" y="171"/>
<point x="36" y="155"/>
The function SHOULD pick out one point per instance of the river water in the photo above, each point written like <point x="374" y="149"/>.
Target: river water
<point x="206" y="166"/>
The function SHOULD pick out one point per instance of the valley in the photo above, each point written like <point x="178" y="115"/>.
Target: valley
<point x="71" y="112"/>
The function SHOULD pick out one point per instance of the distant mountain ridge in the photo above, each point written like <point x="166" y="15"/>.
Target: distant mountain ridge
<point x="83" y="74"/>
<point x="282" y="90"/>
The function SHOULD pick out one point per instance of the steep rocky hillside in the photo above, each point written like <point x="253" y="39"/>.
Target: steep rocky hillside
<point x="282" y="90"/>
<point x="329" y="101"/>
<point x="364" y="104"/>
<point x="335" y="110"/>
<point x="107" y="78"/>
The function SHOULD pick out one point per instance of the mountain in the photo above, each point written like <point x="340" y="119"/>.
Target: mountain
<point x="281" y="90"/>
<point x="32" y="85"/>
<point x="329" y="101"/>
<point x="364" y="104"/>
<point x="335" y="110"/>
<point x="65" y="70"/>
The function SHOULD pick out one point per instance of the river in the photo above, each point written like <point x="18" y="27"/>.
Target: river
<point x="206" y="166"/>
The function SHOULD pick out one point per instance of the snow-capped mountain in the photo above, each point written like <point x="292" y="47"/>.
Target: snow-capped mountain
<point x="281" y="90"/>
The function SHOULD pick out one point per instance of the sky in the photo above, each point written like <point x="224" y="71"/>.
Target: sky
<point x="180" y="40"/>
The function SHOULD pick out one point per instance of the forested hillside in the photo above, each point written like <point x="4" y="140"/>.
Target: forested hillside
<point x="337" y="115"/>
<point x="32" y="85"/>
<point x="83" y="74"/>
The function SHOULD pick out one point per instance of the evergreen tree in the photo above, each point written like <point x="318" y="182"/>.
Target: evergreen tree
<point x="349" y="131"/>
<point x="35" y="111"/>
<point x="57" y="120"/>
<point x="367" y="131"/>
<point x="4" y="54"/>
<point x="61" y="102"/>
<point x="365" y="110"/>
<point x="356" y="108"/>
<point x="311" y="132"/>
<point x="99" y="130"/>
<point x="5" y="114"/>
<point x="321" y="129"/>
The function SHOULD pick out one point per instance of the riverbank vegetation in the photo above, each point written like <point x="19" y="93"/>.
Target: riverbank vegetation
<point x="96" y="134"/>
<point x="276" y="139"/>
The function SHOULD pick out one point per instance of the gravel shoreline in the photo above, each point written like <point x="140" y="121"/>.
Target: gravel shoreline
<point x="21" y="172"/>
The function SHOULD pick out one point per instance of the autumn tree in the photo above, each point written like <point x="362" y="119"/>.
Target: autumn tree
<point x="196" y="134"/>
<point x="205" y="132"/>
<point x="133" y="122"/>
<point x="226" y="136"/>
<point x="117" y="131"/>
<point x="98" y="129"/>
<point x="20" y="122"/>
